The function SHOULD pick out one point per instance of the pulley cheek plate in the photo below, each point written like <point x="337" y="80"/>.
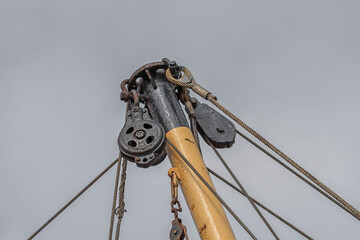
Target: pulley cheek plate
<point x="214" y="127"/>
<point x="142" y="140"/>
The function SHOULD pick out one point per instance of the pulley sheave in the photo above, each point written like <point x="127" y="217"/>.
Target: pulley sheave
<point x="142" y="140"/>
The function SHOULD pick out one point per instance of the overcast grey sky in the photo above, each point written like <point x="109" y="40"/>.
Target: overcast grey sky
<point x="290" y="69"/>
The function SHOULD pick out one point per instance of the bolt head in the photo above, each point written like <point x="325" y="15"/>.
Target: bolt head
<point x="220" y="129"/>
<point x="139" y="134"/>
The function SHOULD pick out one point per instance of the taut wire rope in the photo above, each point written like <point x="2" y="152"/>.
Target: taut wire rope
<point x="192" y="84"/>
<point x="242" y="189"/>
<point x="259" y="204"/>
<point x="285" y="157"/>
<point x="295" y="173"/>
<point x="73" y="199"/>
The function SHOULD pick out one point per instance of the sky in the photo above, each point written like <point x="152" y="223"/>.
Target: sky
<point x="289" y="69"/>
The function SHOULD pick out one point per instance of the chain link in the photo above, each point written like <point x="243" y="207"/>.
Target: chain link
<point x="178" y="230"/>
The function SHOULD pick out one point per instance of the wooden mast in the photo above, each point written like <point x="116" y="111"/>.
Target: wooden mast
<point x="207" y="212"/>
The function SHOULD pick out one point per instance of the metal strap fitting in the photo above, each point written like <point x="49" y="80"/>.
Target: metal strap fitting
<point x="187" y="80"/>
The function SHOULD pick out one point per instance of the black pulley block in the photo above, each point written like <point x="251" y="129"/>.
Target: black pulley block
<point x="213" y="126"/>
<point x="142" y="140"/>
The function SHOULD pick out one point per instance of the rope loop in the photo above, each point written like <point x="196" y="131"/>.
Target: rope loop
<point x="186" y="80"/>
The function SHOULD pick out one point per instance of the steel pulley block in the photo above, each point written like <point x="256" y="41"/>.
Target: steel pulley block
<point x="142" y="140"/>
<point x="213" y="126"/>
<point x="178" y="230"/>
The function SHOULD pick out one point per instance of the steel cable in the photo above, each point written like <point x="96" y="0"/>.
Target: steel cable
<point x="295" y="173"/>
<point x="73" y="199"/>
<point x="210" y="97"/>
<point x="259" y="204"/>
<point x="242" y="189"/>
<point x="195" y="133"/>
<point x="192" y="84"/>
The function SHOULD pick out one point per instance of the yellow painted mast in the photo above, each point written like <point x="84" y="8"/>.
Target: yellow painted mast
<point x="164" y="107"/>
<point x="207" y="212"/>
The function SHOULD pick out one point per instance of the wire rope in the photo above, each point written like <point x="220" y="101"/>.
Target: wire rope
<point x="73" y="199"/>
<point x="295" y="173"/>
<point x="114" y="198"/>
<point x="242" y="189"/>
<point x="259" y="204"/>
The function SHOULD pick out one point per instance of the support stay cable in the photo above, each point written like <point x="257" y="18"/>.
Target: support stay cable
<point x="243" y="189"/>
<point x="259" y="204"/>
<point x="73" y="199"/>
<point x="285" y="157"/>
<point x="188" y="81"/>
<point x="295" y="173"/>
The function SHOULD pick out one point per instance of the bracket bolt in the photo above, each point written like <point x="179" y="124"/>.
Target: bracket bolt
<point x="140" y="134"/>
<point x="220" y="129"/>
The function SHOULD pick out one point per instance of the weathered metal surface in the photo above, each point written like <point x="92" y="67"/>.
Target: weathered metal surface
<point x="157" y="93"/>
<point x="142" y="140"/>
<point x="213" y="126"/>
<point x="161" y="98"/>
<point x="148" y="85"/>
<point x="162" y="102"/>
<point x="140" y="72"/>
